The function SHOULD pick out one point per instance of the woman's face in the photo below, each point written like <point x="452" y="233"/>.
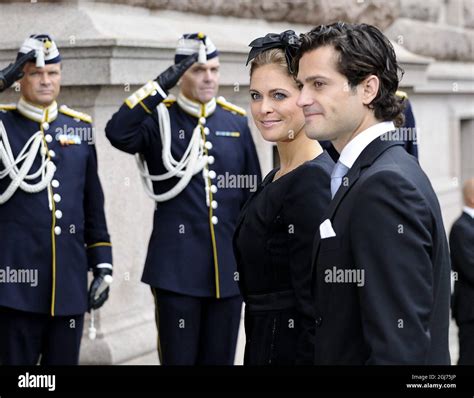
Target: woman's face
<point x="273" y="96"/>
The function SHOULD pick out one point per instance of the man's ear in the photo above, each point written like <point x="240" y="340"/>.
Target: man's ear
<point x="370" y="88"/>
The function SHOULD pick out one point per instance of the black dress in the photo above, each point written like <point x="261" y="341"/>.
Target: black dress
<point x="272" y="244"/>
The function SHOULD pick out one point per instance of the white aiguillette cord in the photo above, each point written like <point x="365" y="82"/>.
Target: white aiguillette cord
<point x="191" y="163"/>
<point x="26" y="158"/>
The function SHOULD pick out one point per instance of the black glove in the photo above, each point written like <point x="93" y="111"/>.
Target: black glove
<point x="168" y="79"/>
<point x="14" y="72"/>
<point x="97" y="302"/>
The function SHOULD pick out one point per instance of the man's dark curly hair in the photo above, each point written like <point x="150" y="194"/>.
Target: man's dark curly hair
<point x="363" y="51"/>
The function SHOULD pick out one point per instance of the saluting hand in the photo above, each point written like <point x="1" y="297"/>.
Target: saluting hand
<point x="14" y="72"/>
<point x="170" y="77"/>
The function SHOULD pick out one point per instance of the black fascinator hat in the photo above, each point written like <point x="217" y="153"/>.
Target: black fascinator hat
<point x="288" y="41"/>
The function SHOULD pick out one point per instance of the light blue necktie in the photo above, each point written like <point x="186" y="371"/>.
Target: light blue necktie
<point x="339" y="171"/>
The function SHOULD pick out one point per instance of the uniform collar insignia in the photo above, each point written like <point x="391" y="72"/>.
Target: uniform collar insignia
<point x="196" y="109"/>
<point x="38" y="113"/>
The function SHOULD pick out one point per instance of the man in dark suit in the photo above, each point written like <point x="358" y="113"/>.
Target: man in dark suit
<point x="461" y="242"/>
<point x="381" y="275"/>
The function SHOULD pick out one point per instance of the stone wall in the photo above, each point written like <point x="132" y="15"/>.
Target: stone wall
<point x="435" y="28"/>
<point x="311" y="12"/>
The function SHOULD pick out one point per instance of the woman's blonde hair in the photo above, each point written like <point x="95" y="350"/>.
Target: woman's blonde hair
<point x="274" y="56"/>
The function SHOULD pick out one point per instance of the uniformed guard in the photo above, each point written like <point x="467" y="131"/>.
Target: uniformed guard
<point x="198" y="162"/>
<point x="52" y="222"/>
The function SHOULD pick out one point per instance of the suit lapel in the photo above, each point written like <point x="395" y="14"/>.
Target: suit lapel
<point x="365" y="159"/>
<point x="468" y="218"/>
<point x="347" y="182"/>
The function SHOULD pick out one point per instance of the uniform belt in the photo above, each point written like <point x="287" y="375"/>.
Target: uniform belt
<point x="271" y="301"/>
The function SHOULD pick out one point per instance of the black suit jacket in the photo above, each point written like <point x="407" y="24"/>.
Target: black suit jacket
<point x="461" y="242"/>
<point x="388" y="224"/>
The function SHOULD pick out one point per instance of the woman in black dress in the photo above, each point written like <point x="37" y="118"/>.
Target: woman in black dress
<point x="275" y="232"/>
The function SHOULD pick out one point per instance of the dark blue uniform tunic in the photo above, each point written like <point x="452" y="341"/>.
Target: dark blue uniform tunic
<point x="52" y="243"/>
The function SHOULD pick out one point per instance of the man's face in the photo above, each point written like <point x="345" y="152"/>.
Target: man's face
<point x="333" y="111"/>
<point x="201" y="82"/>
<point x="40" y="86"/>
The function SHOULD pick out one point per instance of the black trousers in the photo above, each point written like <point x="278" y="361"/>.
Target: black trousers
<point x="196" y="330"/>
<point x="25" y="337"/>
<point x="466" y="343"/>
